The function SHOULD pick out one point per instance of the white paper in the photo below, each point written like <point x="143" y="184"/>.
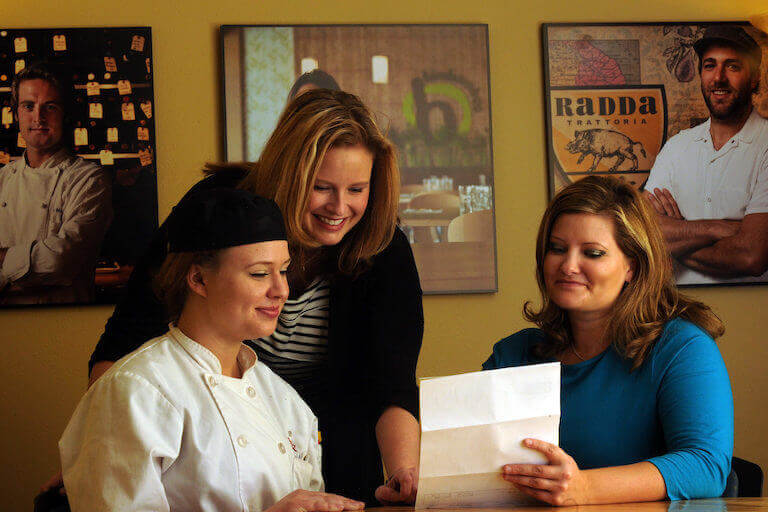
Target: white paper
<point x="472" y="424"/>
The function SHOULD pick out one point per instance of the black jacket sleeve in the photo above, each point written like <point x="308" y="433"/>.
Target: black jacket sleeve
<point x="139" y="315"/>
<point x="396" y="327"/>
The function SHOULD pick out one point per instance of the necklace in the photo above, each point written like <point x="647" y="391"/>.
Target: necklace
<point x="576" y="352"/>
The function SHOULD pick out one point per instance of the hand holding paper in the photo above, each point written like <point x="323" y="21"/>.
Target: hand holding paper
<point x="558" y="483"/>
<point x="399" y="488"/>
<point x="473" y="424"/>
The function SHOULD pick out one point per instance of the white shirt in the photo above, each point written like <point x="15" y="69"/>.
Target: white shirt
<point x="53" y="219"/>
<point x="729" y="183"/>
<point x="164" y="430"/>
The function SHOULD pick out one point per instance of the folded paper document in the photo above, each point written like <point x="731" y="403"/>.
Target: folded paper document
<point x="472" y="424"/>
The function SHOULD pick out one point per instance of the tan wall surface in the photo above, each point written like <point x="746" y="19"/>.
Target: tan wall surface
<point x="45" y="350"/>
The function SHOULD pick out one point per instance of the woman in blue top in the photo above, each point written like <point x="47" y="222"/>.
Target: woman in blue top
<point x="646" y="404"/>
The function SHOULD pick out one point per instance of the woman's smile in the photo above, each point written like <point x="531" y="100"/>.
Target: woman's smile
<point x="339" y="197"/>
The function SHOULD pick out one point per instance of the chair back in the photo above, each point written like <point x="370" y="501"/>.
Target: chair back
<point x="472" y="227"/>
<point x="411" y="189"/>
<point x="446" y="201"/>
<point x="750" y="478"/>
<point x="731" y="485"/>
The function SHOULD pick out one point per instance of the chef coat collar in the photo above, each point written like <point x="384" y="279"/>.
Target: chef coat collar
<point x="52" y="161"/>
<point x="246" y="358"/>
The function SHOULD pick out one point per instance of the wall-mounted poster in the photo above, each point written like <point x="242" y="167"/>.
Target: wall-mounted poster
<point x="678" y="110"/>
<point x="429" y="88"/>
<point x="78" y="187"/>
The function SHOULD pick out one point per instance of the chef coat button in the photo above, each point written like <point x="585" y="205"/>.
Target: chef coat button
<point x="281" y="447"/>
<point x="242" y="441"/>
<point x="211" y="381"/>
<point x="251" y="392"/>
<point x="290" y="433"/>
<point x="709" y="199"/>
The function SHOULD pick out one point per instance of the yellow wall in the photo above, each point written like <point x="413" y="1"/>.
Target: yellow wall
<point x="45" y="351"/>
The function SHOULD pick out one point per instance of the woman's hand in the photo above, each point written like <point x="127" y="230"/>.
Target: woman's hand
<point x="398" y="433"/>
<point x="400" y="487"/>
<point x="558" y="483"/>
<point x="55" y="482"/>
<point x="313" y="501"/>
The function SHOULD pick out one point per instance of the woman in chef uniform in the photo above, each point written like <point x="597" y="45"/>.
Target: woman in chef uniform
<point x="192" y="420"/>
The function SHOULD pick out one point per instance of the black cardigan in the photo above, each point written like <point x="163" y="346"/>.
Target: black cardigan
<point x="376" y="323"/>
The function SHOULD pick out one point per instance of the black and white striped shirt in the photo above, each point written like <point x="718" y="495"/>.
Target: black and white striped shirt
<point x="297" y="351"/>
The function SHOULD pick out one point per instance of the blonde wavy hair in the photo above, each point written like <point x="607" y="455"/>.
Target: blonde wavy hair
<point x="310" y="125"/>
<point x="648" y="301"/>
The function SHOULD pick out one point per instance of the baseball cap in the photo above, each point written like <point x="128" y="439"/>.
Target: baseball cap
<point x="732" y="35"/>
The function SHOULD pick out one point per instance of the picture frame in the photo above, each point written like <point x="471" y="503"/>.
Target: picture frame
<point x="429" y="87"/>
<point x="109" y="119"/>
<point x="616" y="93"/>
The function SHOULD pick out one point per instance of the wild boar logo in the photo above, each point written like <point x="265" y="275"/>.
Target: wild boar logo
<point x="601" y="144"/>
<point x="622" y="129"/>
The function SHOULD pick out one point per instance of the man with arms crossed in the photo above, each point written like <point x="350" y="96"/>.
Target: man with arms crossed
<point x="709" y="184"/>
<point x="54" y="207"/>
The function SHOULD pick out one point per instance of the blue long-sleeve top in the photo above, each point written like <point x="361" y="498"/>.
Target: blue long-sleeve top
<point x="675" y="410"/>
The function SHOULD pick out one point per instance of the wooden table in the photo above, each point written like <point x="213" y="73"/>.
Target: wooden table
<point x="712" y="505"/>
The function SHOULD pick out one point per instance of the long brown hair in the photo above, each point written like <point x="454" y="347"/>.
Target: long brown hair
<point x="648" y="301"/>
<point x="311" y="124"/>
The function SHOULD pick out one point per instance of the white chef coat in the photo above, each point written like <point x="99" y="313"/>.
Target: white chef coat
<point x="164" y="430"/>
<point x="729" y="183"/>
<point x="53" y="219"/>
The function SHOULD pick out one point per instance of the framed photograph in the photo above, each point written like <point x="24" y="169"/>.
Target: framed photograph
<point x="78" y="185"/>
<point x="638" y="101"/>
<point x="430" y="90"/>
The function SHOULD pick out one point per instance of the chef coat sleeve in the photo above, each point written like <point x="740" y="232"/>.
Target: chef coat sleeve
<point x="122" y="437"/>
<point x="73" y="240"/>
